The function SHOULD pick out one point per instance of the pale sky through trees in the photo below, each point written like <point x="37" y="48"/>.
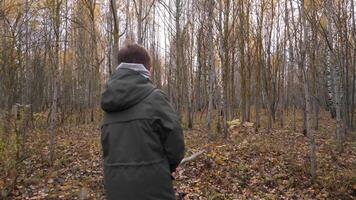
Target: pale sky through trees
<point x="166" y="25"/>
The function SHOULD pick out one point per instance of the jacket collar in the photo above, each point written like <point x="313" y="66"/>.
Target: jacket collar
<point x="135" y="67"/>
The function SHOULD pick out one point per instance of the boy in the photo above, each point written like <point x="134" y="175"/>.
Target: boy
<point x="141" y="136"/>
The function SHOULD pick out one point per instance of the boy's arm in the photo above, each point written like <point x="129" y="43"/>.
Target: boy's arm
<point x="174" y="147"/>
<point x="171" y="131"/>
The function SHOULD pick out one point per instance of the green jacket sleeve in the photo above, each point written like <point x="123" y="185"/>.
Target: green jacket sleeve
<point x="170" y="131"/>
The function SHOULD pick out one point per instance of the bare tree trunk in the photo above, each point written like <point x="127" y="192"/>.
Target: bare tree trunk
<point x="308" y="106"/>
<point x="352" y="120"/>
<point x="264" y="78"/>
<point x="139" y="22"/>
<point x="179" y="57"/>
<point x="259" y="66"/>
<point x="242" y="42"/>
<point x="334" y="68"/>
<point x="269" y="94"/>
<point x="190" y="74"/>
<point x="110" y="55"/>
<point x="115" y="50"/>
<point x="225" y="65"/>
<point x="64" y="92"/>
<point x="309" y="129"/>
<point x="141" y="16"/>
<point x="53" y="124"/>
<point x="211" y="66"/>
<point x="292" y="68"/>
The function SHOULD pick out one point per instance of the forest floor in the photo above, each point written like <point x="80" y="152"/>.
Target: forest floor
<point x="248" y="165"/>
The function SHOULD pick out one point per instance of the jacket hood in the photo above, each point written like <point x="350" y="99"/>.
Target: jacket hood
<point x="125" y="89"/>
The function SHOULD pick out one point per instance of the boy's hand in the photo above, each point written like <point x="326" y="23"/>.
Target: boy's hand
<point x="175" y="173"/>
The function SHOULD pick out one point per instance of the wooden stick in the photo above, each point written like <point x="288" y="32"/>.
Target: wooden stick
<point x="192" y="157"/>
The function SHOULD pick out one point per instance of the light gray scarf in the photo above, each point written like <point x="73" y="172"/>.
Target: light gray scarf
<point x="135" y="67"/>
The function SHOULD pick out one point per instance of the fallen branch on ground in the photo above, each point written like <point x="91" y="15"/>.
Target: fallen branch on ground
<point x="194" y="156"/>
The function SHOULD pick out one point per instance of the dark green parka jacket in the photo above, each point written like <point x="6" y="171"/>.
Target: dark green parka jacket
<point x="141" y="137"/>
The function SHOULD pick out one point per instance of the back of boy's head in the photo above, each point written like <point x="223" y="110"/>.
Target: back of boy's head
<point x="134" y="53"/>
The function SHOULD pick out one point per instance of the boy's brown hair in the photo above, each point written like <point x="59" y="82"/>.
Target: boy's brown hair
<point x="134" y="53"/>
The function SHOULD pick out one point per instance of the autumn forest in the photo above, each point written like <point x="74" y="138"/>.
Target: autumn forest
<point x="265" y="91"/>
